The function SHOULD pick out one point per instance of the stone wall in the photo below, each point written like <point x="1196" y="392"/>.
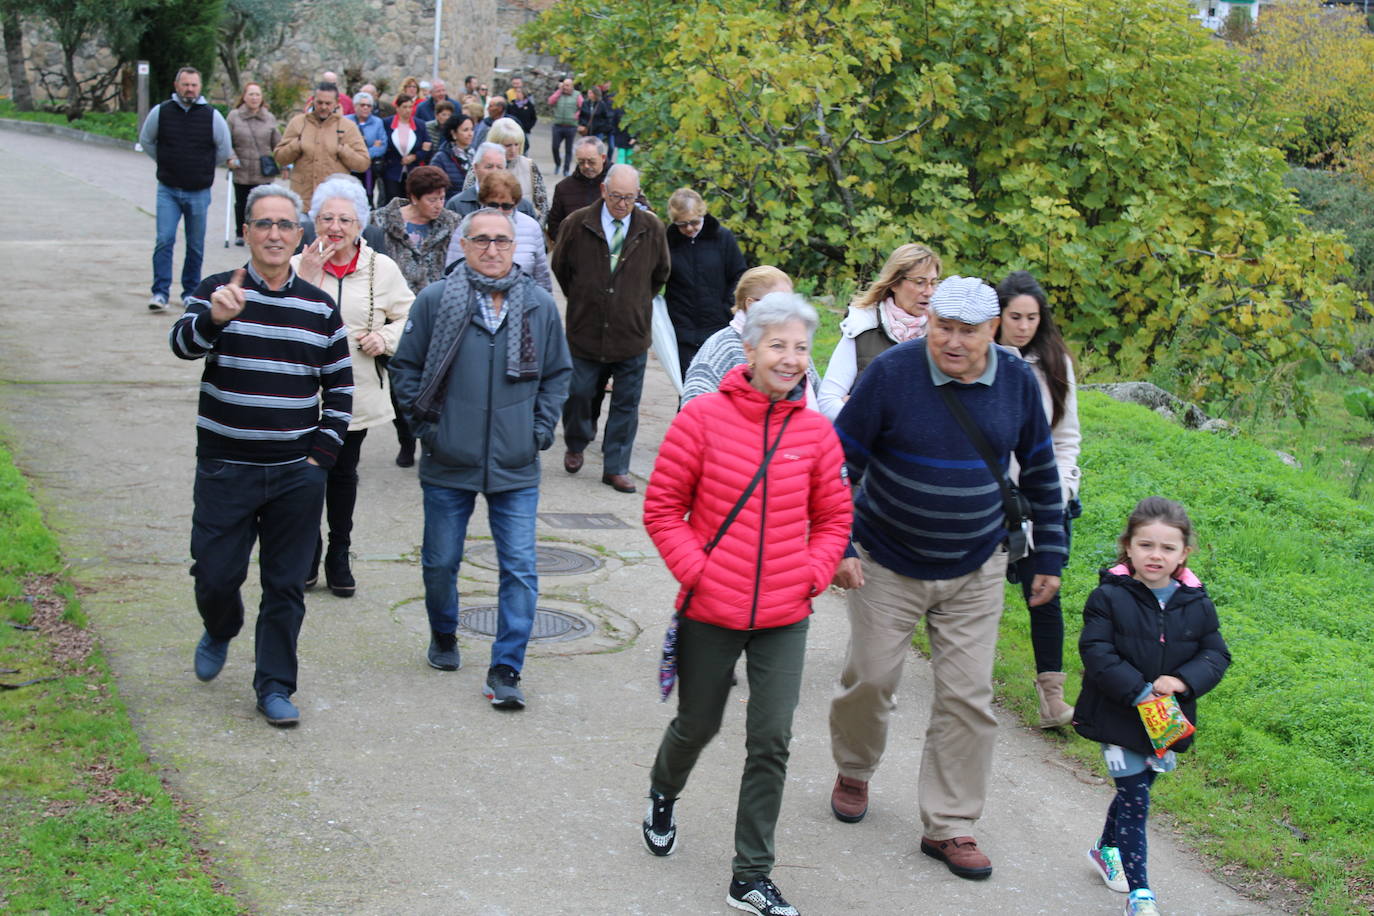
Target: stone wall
<point x="478" y="37"/>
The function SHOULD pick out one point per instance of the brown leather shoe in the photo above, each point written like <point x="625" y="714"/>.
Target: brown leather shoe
<point x="960" y="854"/>
<point x="621" y="482"/>
<point x="849" y="799"/>
<point x="572" y="462"/>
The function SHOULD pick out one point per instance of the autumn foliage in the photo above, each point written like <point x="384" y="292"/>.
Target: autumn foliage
<point x="1115" y="150"/>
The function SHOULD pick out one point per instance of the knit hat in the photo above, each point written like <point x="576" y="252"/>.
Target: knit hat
<point x="965" y="299"/>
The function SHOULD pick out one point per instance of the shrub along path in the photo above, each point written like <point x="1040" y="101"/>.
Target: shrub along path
<point x="402" y="791"/>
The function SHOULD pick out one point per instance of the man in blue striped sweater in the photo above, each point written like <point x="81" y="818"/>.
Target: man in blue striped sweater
<point x="929" y="528"/>
<point x="275" y="401"/>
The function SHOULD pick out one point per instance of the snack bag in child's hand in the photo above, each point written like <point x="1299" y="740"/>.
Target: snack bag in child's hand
<point x="1165" y="723"/>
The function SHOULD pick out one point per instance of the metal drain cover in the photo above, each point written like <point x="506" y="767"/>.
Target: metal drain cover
<point x="549" y="625"/>
<point x="548" y="561"/>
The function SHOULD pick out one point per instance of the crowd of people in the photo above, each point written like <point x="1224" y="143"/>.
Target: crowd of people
<point x="407" y="276"/>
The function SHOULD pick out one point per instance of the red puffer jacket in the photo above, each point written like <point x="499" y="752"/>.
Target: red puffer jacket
<point x="783" y="547"/>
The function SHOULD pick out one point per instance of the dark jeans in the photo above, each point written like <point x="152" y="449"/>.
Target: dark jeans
<point x="1046" y="620"/>
<point x="583" y="408"/>
<point x="563" y="137"/>
<point x="706" y="657"/>
<point x="241" y="192"/>
<point x="279" y="507"/>
<point x="341" y="493"/>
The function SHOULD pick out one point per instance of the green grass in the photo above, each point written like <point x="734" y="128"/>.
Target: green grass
<point x="122" y="125"/>
<point x="1287" y="739"/>
<point x="88" y="826"/>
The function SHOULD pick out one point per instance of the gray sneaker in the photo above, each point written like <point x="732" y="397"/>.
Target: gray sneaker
<point x="503" y="688"/>
<point x="443" y="651"/>
<point x="157" y="302"/>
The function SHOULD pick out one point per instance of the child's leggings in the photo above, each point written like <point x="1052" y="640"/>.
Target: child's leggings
<point x="1125" y="827"/>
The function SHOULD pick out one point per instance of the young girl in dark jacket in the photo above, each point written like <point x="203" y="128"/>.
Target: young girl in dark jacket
<point x="1149" y="629"/>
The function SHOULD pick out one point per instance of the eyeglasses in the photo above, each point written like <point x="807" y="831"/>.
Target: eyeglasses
<point x="504" y="205"/>
<point x="345" y="222"/>
<point x="689" y="223"/>
<point x="265" y="225"/>
<point x="621" y="198"/>
<point x="922" y="283"/>
<point x="483" y="242"/>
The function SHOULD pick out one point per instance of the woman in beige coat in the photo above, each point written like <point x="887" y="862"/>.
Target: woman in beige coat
<point x="254" y="132"/>
<point x="374" y="300"/>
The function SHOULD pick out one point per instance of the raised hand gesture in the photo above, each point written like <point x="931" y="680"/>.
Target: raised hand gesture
<point x="227" y="302"/>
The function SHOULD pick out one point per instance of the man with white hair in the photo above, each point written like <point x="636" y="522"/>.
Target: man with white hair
<point x="481" y="373"/>
<point x="931" y="524"/>
<point x="437" y="93"/>
<point x="489" y="157"/>
<point x="611" y="258"/>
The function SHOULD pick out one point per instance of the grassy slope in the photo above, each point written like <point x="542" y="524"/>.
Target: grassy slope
<point x="88" y="826"/>
<point x="1286" y="743"/>
<point x="122" y="125"/>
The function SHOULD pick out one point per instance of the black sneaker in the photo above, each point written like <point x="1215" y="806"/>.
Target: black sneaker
<point x="443" y="651"/>
<point x="660" y="826"/>
<point x="503" y="688"/>
<point x="759" y="896"/>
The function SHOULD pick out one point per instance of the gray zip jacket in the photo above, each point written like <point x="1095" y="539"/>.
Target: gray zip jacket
<point x="492" y="429"/>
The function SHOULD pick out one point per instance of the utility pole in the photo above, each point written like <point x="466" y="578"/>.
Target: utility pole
<point x="438" y="18"/>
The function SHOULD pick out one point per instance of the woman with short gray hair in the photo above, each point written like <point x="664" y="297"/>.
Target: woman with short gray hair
<point x="782" y="524"/>
<point x="373" y="300"/>
<point x="510" y="136"/>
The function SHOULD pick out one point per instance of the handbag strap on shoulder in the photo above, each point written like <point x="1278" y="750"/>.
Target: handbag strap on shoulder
<point x="1010" y="505"/>
<point x="748" y="490"/>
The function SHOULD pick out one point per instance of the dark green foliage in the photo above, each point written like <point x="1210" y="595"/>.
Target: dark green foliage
<point x="1341" y="201"/>
<point x="177" y="33"/>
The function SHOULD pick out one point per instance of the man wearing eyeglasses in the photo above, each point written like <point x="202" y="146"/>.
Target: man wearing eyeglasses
<point x="580" y="189"/>
<point x="610" y="258"/>
<point x="481" y="373"/>
<point x="276" y="397"/>
<point x="490" y="157"/>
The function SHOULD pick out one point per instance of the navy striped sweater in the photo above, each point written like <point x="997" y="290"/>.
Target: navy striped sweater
<point x="278" y="380"/>
<point x="927" y="505"/>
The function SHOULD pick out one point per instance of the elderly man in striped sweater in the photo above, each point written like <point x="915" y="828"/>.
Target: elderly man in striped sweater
<point x="930" y="530"/>
<point x="275" y="400"/>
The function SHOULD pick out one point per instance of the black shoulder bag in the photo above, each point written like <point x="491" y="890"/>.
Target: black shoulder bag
<point x="667" y="666"/>
<point x="1015" y="507"/>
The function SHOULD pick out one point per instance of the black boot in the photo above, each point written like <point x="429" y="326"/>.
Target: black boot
<point x="337" y="575"/>
<point x="405" y="456"/>
<point x="313" y="578"/>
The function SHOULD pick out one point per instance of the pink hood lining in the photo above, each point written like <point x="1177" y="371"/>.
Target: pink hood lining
<point x="1184" y="576"/>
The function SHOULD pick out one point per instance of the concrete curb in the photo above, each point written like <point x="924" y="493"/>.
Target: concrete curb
<point x="66" y="133"/>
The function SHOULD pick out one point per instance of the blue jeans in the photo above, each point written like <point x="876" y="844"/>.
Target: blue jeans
<point x="279" y="507"/>
<point x="511" y="514"/>
<point x="174" y="204"/>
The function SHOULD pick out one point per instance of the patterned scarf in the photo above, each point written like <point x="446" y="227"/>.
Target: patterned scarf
<point x="899" y="324"/>
<point x="456" y="310"/>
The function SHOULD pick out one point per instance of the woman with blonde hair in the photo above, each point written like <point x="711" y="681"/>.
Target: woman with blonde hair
<point x="890" y="311"/>
<point x="508" y="133"/>
<point x="724" y="350"/>
<point x="707" y="263"/>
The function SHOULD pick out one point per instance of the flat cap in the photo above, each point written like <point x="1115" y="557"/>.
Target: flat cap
<point x="965" y="299"/>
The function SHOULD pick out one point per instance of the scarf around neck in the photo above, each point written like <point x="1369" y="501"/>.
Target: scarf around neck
<point x="900" y="325"/>
<point x="457" y="308"/>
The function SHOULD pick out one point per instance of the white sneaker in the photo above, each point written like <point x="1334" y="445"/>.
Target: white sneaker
<point x="1107" y="862"/>
<point x="157" y="302"/>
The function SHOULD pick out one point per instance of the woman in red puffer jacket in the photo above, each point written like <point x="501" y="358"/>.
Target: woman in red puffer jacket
<point x="752" y="593"/>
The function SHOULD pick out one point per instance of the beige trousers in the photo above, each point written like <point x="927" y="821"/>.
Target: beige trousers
<point x="962" y="617"/>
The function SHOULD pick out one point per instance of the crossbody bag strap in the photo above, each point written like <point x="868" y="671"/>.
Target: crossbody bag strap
<point x="748" y="491"/>
<point x="980" y="442"/>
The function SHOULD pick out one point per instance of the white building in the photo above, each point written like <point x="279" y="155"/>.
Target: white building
<point x="1212" y="13"/>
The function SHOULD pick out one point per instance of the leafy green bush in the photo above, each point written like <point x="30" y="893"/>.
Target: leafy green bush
<point x="1288" y="737"/>
<point x="122" y="125"/>
<point x="1341" y="201"/>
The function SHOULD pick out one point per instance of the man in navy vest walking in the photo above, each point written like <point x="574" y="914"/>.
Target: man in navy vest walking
<point x="185" y="136"/>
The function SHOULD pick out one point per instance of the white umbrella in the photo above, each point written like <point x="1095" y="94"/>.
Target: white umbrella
<point x="665" y="343"/>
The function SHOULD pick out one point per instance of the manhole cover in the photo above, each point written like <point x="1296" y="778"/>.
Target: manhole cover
<point x="549" y="625"/>
<point x="548" y="561"/>
<point x="602" y="520"/>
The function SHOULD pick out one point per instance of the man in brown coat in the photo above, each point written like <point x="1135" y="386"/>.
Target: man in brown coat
<point x="320" y="143"/>
<point x="610" y="258"/>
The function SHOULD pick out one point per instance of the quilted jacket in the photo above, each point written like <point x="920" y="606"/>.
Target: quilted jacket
<point x="783" y="547"/>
